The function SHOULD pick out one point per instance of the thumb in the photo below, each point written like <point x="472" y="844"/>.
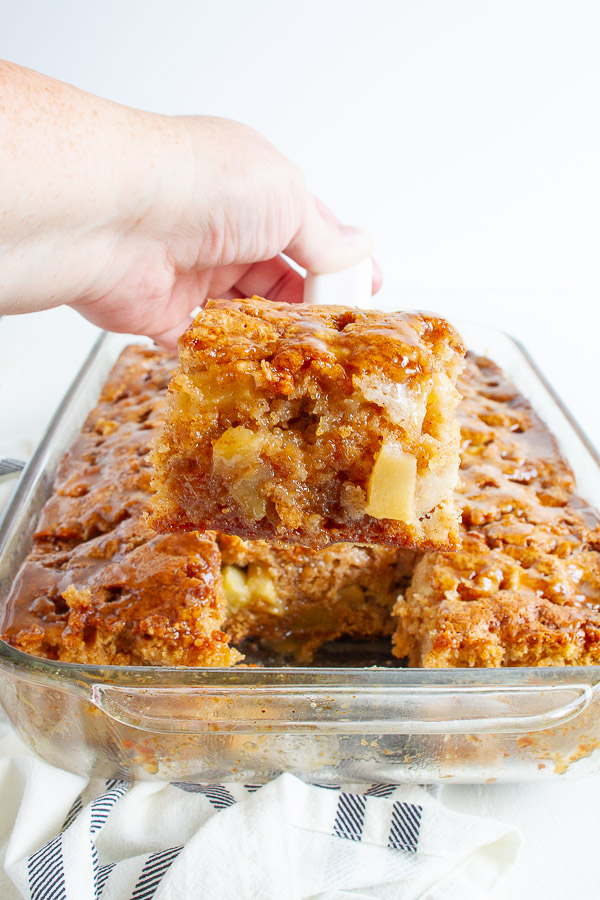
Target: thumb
<point x="323" y="244"/>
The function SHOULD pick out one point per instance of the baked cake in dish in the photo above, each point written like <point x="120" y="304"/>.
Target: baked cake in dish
<point x="128" y="597"/>
<point x="312" y="425"/>
<point x="100" y="586"/>
<point x="524" y="589"/>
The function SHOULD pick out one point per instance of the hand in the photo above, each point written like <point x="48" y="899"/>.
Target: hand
<point x="134" y="219"/>
<point x="223" y="213"/>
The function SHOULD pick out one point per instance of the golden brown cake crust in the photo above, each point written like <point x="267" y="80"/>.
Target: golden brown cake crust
<point x="334" y="342"/>
<point x="313" y="426"/>
<point x="100" y="586"/>
<point x="105" y="476"/>
<point x="525" y="587"/>
<point x="98" y="602"/>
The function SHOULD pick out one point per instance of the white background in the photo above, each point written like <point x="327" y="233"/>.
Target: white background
<point x="465" y="135"/>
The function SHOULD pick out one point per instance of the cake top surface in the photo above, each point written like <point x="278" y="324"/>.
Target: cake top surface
<point x="524" y="588"/>
<point x="528" y="571"/>
<point x="328" y="340"/>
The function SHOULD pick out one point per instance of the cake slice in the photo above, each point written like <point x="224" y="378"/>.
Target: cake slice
<point x="99" y="586"/>
<point x="128" y="597"/>
<point x="105" y="476"/>
<point x="312" y="425"/>
<point x="524" y="589"/>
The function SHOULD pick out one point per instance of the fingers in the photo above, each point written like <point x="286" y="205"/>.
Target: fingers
<point x="168" y="338"/>
<point x="322" y="244"/>
<point x="274" y="279"/>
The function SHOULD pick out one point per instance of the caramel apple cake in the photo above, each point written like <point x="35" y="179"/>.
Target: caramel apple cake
<point x="101" y="586"/>
<point x="524" y="589"/>
<point x="312" y="425"/>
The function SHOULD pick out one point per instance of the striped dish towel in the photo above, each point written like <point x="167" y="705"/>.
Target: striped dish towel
<point x="69" y="839"/>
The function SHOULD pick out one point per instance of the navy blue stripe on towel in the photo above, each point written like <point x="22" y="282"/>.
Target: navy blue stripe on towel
<point x="103" y="804"/>
<point x="45" y="869"/>
<point x="103" y="873"/>
<point x="218" y="794"/>
<point x="76" y="808"/>
<point x="405" y="826"/>
<point x="154" y="869"/>
<point x="350" y="816"/>
<point x="380" y="790"/>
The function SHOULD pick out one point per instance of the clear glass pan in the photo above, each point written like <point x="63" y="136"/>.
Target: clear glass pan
<point x="323" y="724"/>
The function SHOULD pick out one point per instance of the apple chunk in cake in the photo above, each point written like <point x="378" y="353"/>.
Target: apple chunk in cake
<point x="312" y="425"/>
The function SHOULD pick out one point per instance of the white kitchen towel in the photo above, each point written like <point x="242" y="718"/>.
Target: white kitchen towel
<point x="64" y="838"/>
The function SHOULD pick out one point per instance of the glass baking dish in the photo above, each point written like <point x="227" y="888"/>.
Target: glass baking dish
<point x="324" y="724"/>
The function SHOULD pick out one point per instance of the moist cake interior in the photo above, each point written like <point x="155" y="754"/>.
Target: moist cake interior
<point x="101" y="586"/>
<point x="312" y="426"/>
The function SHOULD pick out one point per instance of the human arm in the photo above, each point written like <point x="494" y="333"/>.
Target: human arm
<point x="134" y="218"/>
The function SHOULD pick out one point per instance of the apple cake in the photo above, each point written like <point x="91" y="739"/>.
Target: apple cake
<point x="101" y="586"/>
<point x="313" y="426"/>
<point x="524" y="589"/>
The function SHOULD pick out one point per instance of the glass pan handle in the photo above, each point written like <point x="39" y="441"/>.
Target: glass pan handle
<point x="343" y="710"/>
